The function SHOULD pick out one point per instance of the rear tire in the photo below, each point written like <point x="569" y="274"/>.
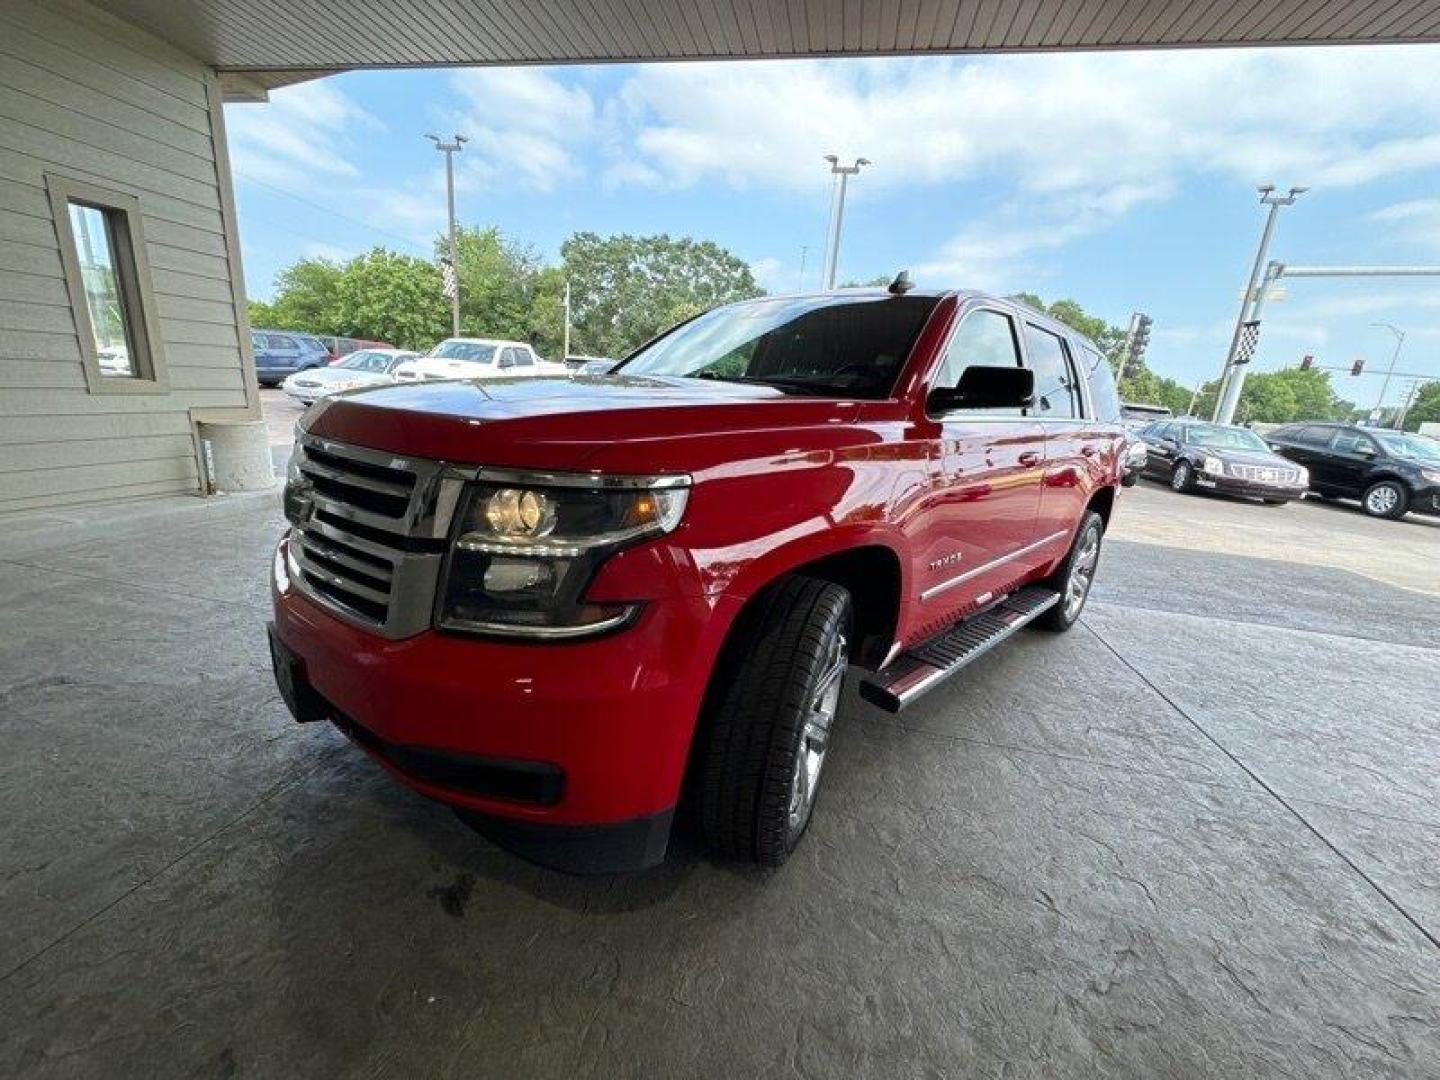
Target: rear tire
<point x="1386" y="499"/>
<point x="769" y="719"/>
<point x="1073" y="578"/>
<point x="1183" y="478"/>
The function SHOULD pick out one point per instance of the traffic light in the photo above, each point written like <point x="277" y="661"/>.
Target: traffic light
<point x="1307" y="362"/>
<point x="1357" y="367"/>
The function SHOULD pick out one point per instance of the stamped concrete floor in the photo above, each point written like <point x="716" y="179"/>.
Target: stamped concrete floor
<point x="1196" y="837"/>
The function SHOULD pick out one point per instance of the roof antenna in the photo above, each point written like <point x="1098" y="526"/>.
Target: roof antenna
<point x="902" y="284"/>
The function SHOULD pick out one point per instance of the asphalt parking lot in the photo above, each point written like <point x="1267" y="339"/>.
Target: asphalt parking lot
<point x="1196" y="836"/>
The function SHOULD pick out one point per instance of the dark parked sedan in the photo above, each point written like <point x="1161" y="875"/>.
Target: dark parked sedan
<point x="1192" y="455"/>
<point x="1390" y="472"/>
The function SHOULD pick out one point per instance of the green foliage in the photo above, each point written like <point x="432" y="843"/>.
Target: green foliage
<point x="1279" y="397"/>
<point x="626" y="289"/>
<point x="1425" y="409"/>
<point x="305" y="297"/>
<point x="386" y="296"/>
<point x="1109" y="338"/>
<point x="871" y="283"/>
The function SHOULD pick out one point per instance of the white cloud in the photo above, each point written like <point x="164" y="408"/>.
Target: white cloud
<point x="1414" y="222"/>
<point x="525" y="128"/>
<point x="301" y="138"/>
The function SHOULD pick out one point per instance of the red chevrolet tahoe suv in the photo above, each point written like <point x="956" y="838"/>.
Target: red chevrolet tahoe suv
<point x="568" y="605"/>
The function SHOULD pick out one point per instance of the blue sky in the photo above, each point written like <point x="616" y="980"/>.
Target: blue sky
<point x="1123" y="180"/>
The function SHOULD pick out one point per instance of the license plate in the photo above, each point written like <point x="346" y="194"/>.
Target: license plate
<point x="283" y="662"/>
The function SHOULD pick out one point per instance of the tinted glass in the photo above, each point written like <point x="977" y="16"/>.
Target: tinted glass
<point x="1218" y="437"/>
<point x="1055" y="390"/>
<point x="282" y="343"/>
<point x="1311" y="436"/>
<point x="521" y="358"/>
<point x="1104" y="397"/>
<point x="366" y="361"/>
<point x="985" y="339"/>
<point x="1411" y="447"/>
<point x="464" y="350"/>
<point x="105" y="298"/>
<point x="841" y="345"/>
<point x="1352" y="442"/>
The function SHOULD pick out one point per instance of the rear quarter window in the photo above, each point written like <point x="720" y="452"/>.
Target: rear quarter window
<point x="1103" y="395"/>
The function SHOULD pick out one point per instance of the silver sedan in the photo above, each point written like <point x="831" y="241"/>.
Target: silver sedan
<point x="364" y="367"/>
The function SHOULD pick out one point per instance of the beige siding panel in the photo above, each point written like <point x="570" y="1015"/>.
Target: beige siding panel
<point x="41" y="375"/>
<point x="207" y="378"/>
<point x="31" y="259"/>
<point x="17" y="431"/>
<point x="45" y="318"/>
<point x="113" y="493"/>
<point x="206" y="311"/>
<point x="180" y="332"/>
<point x="168" y="234"/>
<point x="60" y="90"/>
<point x="39" y="143"/>
<point x="26" y="229"/>
<point x="22" y="169"/>
<point x="171" y="283"/>
<point x="33" y="288"/>
<point x="29" y="345"/>
<point x="188" y="262"/>
<point x="23" y="198"/>
<point x="181" y="472"/>
<point x="47" y="455"/>
<point x="21" y="43"/>
<point x="108" y="44"/>
<point x="205" y="356"/>
<point x="27" y="109"/>
<point x="63" y="403"/>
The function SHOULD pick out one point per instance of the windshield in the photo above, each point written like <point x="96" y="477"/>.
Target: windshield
<point x="1408" y="446"/>
<point x="464" y="350"/>
<point x="364" y="360"/>
<point x="843" y="346"/>
<point x="1224" y="438"/>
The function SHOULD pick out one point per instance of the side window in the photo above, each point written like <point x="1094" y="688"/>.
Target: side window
<point x="1318" y="437"/>
<point x="1104" y="397"/>
<point x="985" y="339"/>
<point x="1353" y="442"/>
<point x="282" y="343"/>
<point x="522" y="358"/>
<point x="107" y="276"/>
<point x="1056" y="395"/>
<point x="257" y="342"/>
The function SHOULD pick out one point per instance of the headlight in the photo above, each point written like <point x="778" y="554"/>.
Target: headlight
<point x="524" y="553"/>
<point x="1433" y="475"/>
<point x="1213" y="465"/>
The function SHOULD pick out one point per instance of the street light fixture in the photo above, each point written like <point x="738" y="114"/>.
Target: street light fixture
<point x="450" y="149"/>
<point x="1385" y="385"/>
<point x="837" y="213"/>
<point x="1232" y="376"/>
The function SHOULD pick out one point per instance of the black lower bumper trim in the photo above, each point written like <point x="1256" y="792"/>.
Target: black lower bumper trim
<point x="625" y="846"/>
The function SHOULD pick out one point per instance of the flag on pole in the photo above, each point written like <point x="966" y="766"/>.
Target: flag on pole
<point x="447" y="274"/>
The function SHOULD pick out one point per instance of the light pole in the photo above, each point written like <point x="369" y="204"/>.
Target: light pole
<point x="804" y="251"/>
<point x="1385" y="385"/>
<point x="450" y="149"/>
<point x="837" y="213"/>
<point x="1232" y="376"/>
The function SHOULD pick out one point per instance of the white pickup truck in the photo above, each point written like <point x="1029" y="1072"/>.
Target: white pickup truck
<point x="477" y="358"/>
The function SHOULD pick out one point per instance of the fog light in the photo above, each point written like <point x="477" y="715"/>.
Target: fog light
<point x="516" y="575"/>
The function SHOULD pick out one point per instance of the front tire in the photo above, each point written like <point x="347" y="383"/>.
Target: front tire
<point x="769" y="719"/>
<point x="1073" y="578"/>
<point x="1386" y="499"/>
<point x="1183" y="478"/>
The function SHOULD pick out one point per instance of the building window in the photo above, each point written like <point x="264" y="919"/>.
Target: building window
<point x="102" y="250"/>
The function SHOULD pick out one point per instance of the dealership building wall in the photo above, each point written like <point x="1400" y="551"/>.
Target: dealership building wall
<point x="94" y="109"/>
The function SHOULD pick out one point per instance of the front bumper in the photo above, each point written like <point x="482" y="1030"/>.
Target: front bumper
<point x="579" y="741"/>
<point x="306" y="395"/>
<point x="1254" y="489"/>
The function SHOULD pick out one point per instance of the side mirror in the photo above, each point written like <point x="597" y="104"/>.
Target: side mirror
<point x="986" y="388"/>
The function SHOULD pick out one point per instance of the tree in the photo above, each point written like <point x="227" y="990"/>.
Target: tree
<point x="387" y="296"/>
<point x="872" y="283"/>
<point x="305" y="297"/>
<point x="1109" y="338"/>
<point x="626" y="289"/>
<point x="1425" y="409"/>
<point x="496" y="282"/>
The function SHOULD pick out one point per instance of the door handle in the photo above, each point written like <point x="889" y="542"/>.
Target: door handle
<point x="1030" y="457"/>
<point x="1088" y="451"/>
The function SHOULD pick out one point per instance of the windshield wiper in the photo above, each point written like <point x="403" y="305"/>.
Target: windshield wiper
<point x="802" y="386"/>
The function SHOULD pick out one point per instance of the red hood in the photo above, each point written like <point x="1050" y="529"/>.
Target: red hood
<point x="613" y="422"/>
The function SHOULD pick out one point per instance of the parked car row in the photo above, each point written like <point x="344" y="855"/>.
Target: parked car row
<point x="1390" y="472"/>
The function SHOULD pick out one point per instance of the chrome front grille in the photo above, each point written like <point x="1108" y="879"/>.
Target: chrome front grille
<point x="1265" y="474"/>
<point x="369" y="532"/>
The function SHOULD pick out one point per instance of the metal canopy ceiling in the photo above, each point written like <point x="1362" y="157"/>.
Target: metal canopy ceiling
<point x="265" y="43"/>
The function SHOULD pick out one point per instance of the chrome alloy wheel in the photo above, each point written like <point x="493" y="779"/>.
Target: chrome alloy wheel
<point x="1382" y="500"/>
<point x="815" y="736"/>
<point x="1180" y="478"/>
<point x="1082" y="573"/>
